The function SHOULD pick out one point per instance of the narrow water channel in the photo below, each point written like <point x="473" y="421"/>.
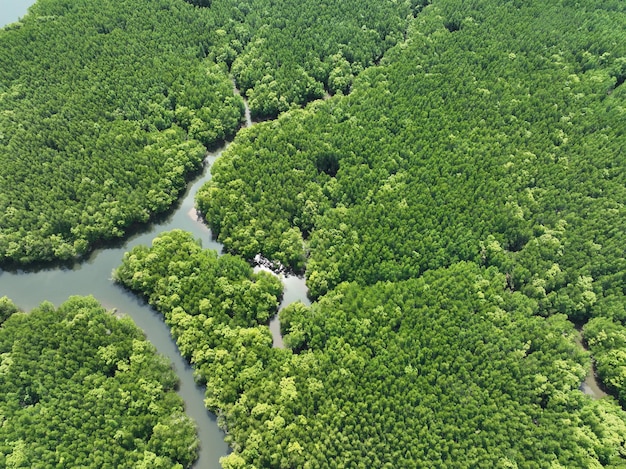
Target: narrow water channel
<point x="294" y="289"/>
<point x="93" y="277"/>
<point x="591" y="385"/>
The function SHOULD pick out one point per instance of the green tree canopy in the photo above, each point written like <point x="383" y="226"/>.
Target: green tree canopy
<point x="98" y="101"/>
<point x="80" y="387"/>
<point x="448" y="369"/>
<point x="498" y="142"/>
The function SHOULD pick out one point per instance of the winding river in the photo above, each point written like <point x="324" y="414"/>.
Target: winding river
<point x="591" y="385"/>
<point x="93" y="277"/>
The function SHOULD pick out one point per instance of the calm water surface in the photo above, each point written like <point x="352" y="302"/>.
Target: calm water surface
<point x="93" y="277"/>
<point x="294" y="289"/>
<point x="13" y="10"/>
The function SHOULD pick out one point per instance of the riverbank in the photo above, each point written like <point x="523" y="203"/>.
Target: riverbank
<point x="590" y="386"/>
<point x="92" y="276"/>
<point x="294" y="289"/>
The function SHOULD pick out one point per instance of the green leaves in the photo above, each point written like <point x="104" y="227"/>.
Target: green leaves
<point x="491" y="136"/>
<point x="458" y="141"/>
<point x="181" y="279"/>
<point x="293" y="55"/>
<point x="452" y="366"/>
<point x="452" y="212"/>
<point x="7" y="308"/>
<point x="607" y="342"/>
<point x="103" y="121"/>
<point x="79" y="387"/>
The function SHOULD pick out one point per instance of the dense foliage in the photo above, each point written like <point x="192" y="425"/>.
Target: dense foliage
<point x="449" y="369"/>
<point x="82" y="388"/>
<point x="452" y="213"/>
<point x="285" y="53"/>
<point x="7" y="308"/>
<point x="493" y="134"/>
<point x="104" y="105"/>
<point x="190" y="284"/>
<point x="607" y="342"/>
<point x="105" y="109"/>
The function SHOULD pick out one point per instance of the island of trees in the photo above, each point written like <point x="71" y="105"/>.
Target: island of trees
<point x="82" y="388"/>
<point x="456" y="203"/>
